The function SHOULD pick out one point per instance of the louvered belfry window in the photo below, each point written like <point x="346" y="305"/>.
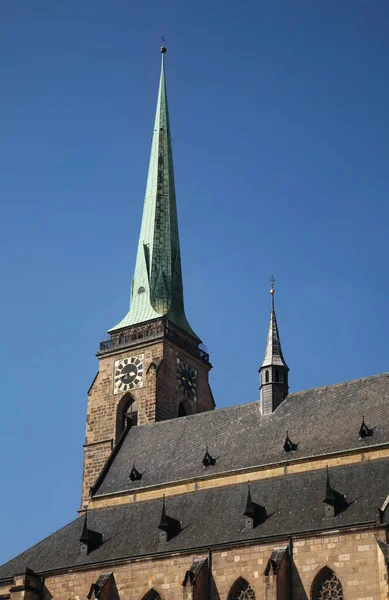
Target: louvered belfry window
<point x="241" y="590"/>
<point x="327" y="587"/>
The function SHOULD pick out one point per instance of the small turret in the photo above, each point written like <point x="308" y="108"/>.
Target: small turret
<point x="273" y="373"/>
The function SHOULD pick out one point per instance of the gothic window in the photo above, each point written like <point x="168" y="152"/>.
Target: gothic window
<point x="327" y="586"/>
<point x="267" y="377"/>
<point x="277" y="376"/>
<point x="241" y="590"/>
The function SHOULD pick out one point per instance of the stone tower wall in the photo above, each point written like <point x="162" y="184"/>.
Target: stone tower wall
<point x="157" y="400"/>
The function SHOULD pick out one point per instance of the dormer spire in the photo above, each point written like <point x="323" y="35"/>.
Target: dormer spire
<point x="274" y="370"/>
<point x="84" y="539"/>
<point x="249" y="510"/>
<point x="157" y="288"/>
<point x="330" y="493"/>
<point x="163" y="523"/>
<point x="249" y="513"/>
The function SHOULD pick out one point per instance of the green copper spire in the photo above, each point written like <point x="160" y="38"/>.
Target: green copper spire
<point x="157" y="283"/>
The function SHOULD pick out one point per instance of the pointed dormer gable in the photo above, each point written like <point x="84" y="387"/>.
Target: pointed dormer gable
<point x="365" y="431"/>
<point x="89" y="540"/>
<point x="168" y="526"/>
<point x="334" y="501"/>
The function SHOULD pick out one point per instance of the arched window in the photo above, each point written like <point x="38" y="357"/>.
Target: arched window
<point x="327" y="586"/>
<point x="277" y="376"/>
<point x="267" y="377"/>
<point x="184" y="408"/>
<point x="241" y="590"/>
<point x="152" y="595"/>
<point x="127" y="414"/>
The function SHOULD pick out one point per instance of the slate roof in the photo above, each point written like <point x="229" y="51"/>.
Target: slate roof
<point x="321" y="421"/>
<point x="214" y="517"/>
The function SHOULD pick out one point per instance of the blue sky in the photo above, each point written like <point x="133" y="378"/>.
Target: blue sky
<point x="280" y="127"/>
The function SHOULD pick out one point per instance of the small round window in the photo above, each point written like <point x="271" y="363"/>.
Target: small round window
<point x="141" y="290"/>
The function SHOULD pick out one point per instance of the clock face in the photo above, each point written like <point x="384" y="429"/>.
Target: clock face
<point x="128" y="374"/>
<point x="187" y="379"/>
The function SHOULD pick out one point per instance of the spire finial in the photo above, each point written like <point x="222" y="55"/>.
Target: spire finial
<point x="272" y="290"/>
<point x="163" y="47"/>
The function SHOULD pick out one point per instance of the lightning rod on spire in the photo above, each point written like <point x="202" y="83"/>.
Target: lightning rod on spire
<point x="272" y="291"/>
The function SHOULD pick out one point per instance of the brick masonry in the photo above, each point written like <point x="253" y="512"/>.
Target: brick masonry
<point x="355" y="558"/>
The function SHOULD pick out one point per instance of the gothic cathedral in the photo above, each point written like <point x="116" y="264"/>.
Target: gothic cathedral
<point x="285" y="498"/>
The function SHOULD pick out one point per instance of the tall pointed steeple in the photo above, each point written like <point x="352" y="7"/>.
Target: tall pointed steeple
<point x="152" y="366"/>
<point x="157" y="288"/>
<point x="273" y="373"/>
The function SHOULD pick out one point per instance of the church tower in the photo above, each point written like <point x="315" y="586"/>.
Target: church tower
<point x="273" y="373"/>
<point x="152" y="367"/>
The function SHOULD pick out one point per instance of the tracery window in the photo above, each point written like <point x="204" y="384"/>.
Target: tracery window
<point x="241" y="590"/>
<point x="327" y="586"/>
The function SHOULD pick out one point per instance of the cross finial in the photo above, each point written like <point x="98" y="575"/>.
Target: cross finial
<point x="163" y="48"/>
